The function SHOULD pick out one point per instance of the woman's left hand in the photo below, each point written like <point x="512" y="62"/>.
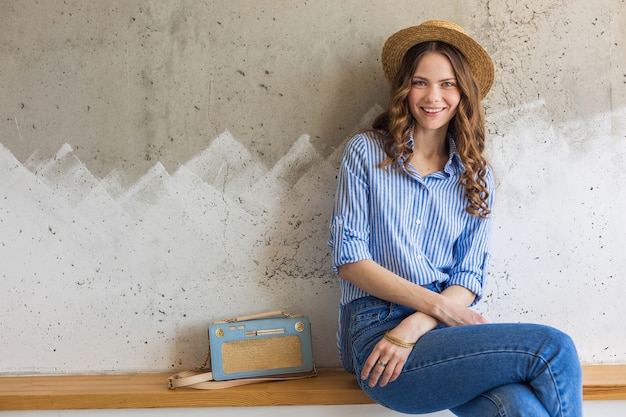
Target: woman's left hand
<point x="387" y="360"/>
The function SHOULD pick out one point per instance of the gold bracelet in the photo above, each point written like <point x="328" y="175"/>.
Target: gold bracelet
<point x="398" y="342"/>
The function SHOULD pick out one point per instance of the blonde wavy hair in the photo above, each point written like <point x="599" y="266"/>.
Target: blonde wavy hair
<point x="467" y="127"/>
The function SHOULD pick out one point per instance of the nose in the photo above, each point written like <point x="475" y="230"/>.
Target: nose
<point x="433" y="94"/>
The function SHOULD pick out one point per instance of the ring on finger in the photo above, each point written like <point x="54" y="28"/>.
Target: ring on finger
<point x="381" y="363"/>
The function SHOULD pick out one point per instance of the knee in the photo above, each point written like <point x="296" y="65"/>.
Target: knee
<point x="564" y="349"/>
<point x="559" y="340"/>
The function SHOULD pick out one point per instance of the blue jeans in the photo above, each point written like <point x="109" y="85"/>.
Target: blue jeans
<point x="474" y="371"/>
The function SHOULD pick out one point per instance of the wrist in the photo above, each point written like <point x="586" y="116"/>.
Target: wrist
<point x="420" y="323"/>
<point x="440" y="310"/>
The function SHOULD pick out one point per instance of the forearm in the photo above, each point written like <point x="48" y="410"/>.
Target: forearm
<point x="382" y="283"/>
<point x="460" y="295"/>
<point x="423" y="323"/>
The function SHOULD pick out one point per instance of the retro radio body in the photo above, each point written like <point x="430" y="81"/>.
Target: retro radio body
<point x="260" y="347"/>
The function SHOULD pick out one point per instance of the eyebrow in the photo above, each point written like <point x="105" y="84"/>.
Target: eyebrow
<point x="417" y="77"/>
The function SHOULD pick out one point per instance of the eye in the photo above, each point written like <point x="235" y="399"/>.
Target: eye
<point x="449" y="84"/>
<point x="418" y="83"/>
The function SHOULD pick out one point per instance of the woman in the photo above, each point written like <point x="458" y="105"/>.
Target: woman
<point x="409" y="238"/>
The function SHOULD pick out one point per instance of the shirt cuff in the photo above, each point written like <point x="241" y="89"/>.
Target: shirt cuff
<point x="470" y="282"/>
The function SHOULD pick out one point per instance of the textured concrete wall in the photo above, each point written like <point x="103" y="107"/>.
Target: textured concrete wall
<point x="164" y="164"/>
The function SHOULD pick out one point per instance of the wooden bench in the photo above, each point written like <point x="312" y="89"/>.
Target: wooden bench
<point x="330" y="387"/>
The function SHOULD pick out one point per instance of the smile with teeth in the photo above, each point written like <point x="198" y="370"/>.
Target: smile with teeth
<point x="433" y="109"/>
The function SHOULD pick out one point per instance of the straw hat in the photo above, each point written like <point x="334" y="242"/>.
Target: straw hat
<point x="439" y="30"/>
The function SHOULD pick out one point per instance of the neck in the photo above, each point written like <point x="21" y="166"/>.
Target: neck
<point x="430" y="142"/>
<point x="430" y="152"/>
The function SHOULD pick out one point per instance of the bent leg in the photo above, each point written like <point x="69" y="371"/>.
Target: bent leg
<point x="452" y="366"/>
<point x="513" y="400"/>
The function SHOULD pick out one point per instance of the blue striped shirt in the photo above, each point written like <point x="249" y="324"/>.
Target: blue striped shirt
<point x="415" y="227"/>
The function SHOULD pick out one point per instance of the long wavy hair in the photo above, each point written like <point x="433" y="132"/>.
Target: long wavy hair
<point x="467" y="126"/>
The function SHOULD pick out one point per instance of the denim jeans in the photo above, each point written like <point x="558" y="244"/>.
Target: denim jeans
<point x="474" y="371"/>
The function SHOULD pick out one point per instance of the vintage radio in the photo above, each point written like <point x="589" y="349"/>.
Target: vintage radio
<point x="267" y="344"/>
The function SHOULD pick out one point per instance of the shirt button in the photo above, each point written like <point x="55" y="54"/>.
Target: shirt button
<point x="418" y="222"/>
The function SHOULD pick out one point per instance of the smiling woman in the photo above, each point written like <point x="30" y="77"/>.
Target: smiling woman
<point x="410" y="239"/>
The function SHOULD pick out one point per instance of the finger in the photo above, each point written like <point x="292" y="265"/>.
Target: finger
<point x="369" y="365"/>
<point x="385" y="377"/>
<point x="397" y="370"/>
<point x="392" y="372"/>
<point x="377" y="372"/>
<point x="477" y="318"/>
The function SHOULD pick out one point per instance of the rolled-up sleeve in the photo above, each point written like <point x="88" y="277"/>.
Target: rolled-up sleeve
<point x="349" y="228"/>
<point x="471" y="251"/>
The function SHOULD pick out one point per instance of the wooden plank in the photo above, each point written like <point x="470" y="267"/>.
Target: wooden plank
<point x="330" y="387"/>
<point x="604" y="382"/>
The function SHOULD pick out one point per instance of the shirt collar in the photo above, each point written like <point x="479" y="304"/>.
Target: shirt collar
<point x="454" y="164"/>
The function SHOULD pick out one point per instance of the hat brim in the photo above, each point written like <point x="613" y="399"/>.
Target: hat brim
<point x="400" y="42"/>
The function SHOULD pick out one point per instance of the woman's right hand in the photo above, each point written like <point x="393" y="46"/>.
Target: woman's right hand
<point x="452" y="313"/>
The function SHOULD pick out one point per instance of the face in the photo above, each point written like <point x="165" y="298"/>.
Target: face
<point x="434" y="96"/>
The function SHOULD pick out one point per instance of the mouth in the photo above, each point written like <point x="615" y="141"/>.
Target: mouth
<point x="433" y="110"/>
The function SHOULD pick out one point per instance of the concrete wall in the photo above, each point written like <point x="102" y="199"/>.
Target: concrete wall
<point x="165" y="164"/>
